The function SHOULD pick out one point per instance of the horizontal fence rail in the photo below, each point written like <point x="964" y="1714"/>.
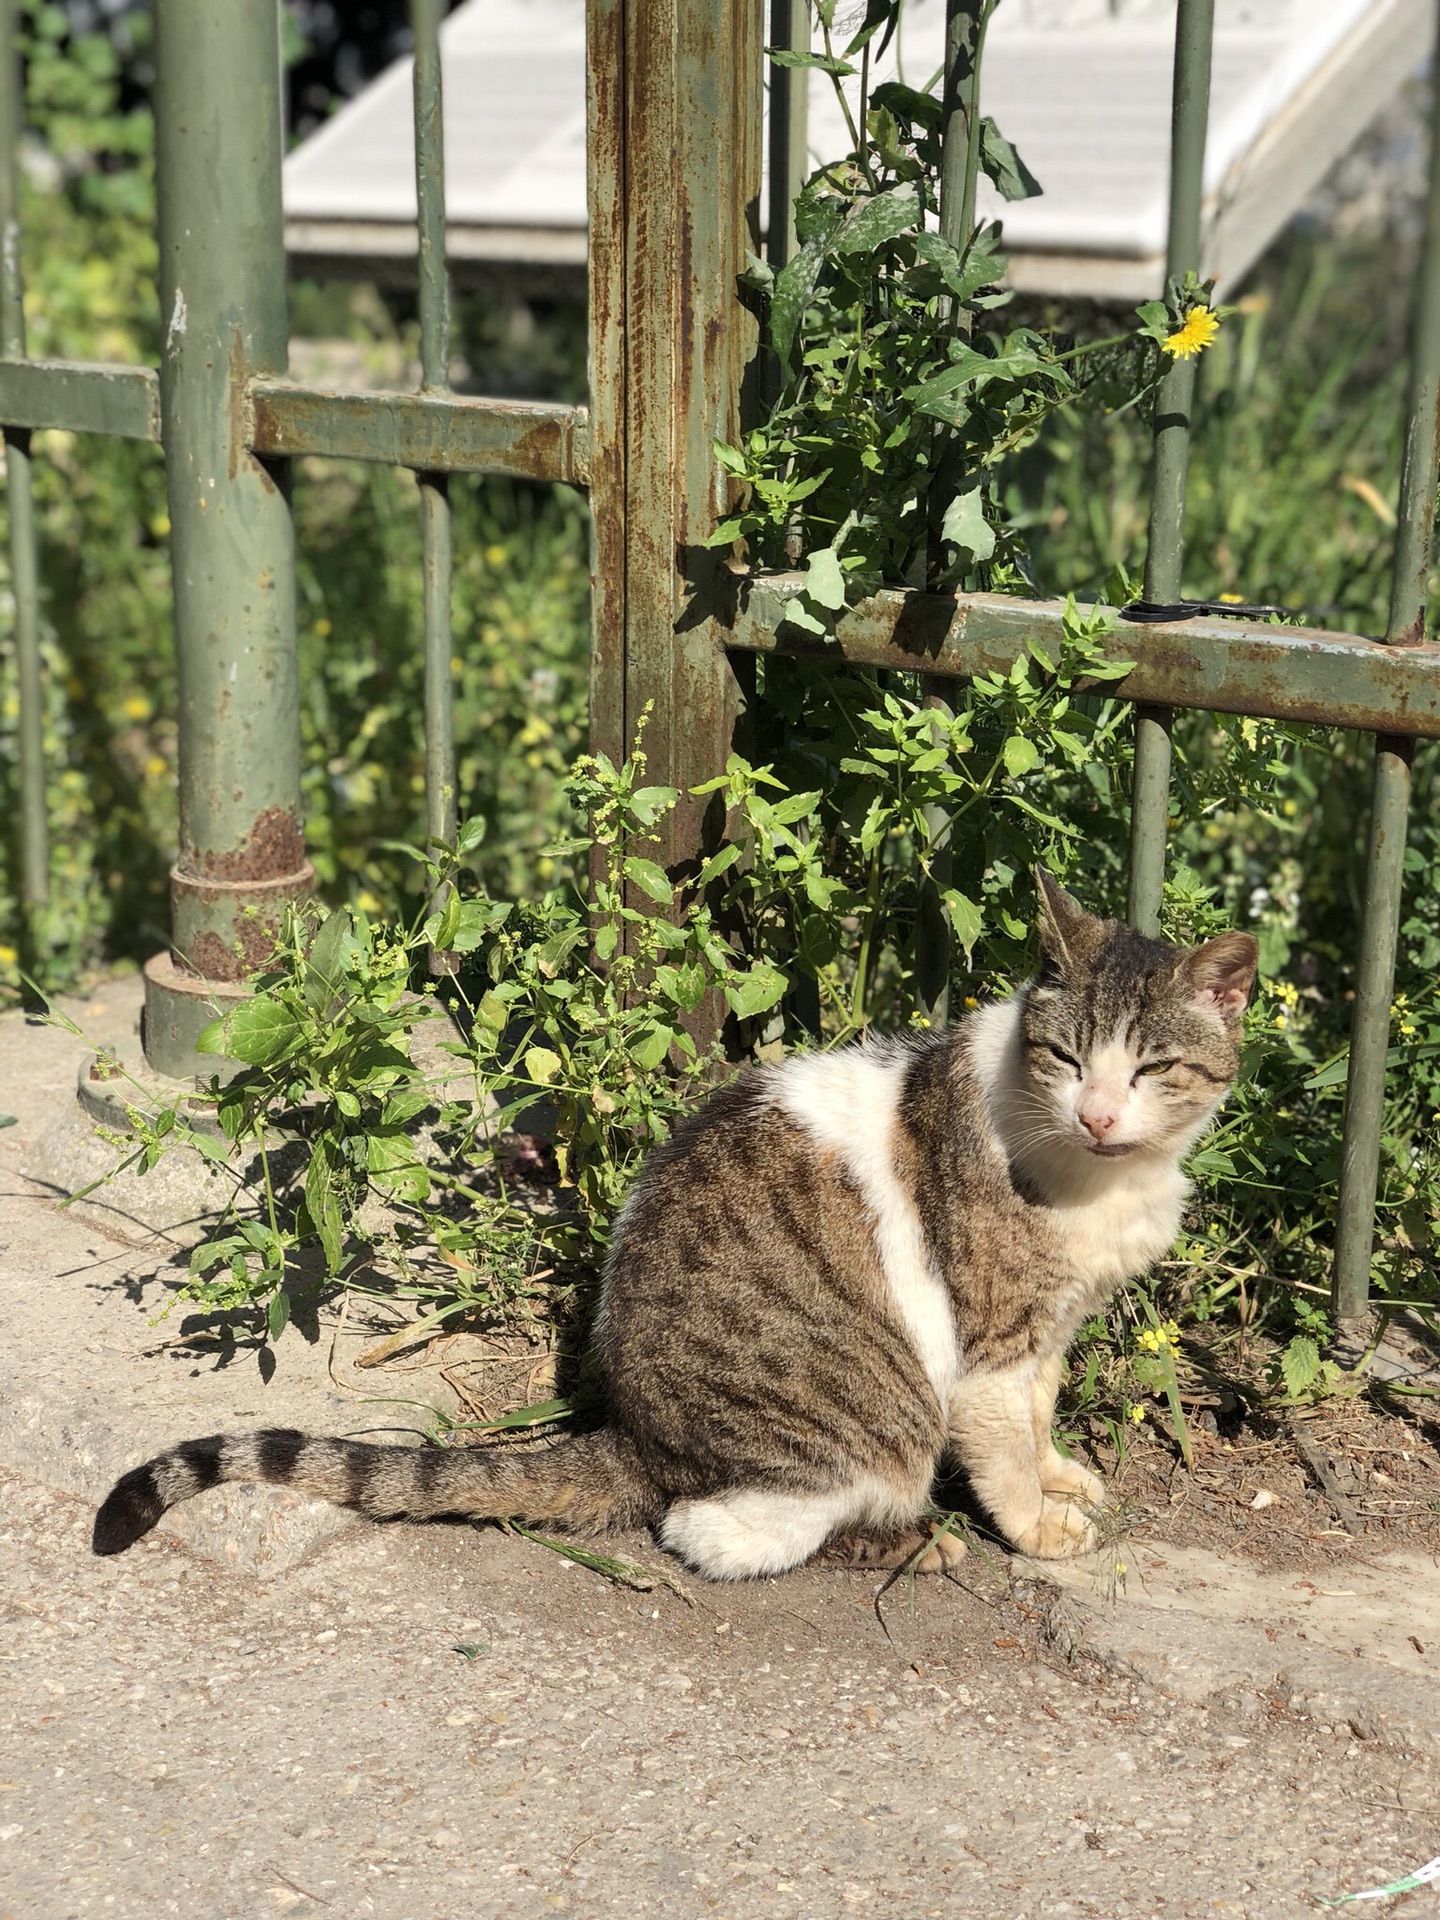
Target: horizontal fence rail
<point x="79" y="397"/>
<point x="1228" y="666"/>
<point x="431" y="432"/>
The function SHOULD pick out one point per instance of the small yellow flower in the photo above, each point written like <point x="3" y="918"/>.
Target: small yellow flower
<point x="495" y="556"/>
<point x="137" y="707"/>
<point x="155" y="767"/>
<point x="160" y="525"/>
<point x="971" y="1003"/>
<point x="322" y="627"/>
<point x="8" y="956"/>
<point x="1137" y="1415"/>
<point x="1193" y="335"/>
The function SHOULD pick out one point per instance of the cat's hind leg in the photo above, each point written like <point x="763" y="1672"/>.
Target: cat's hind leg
<point x="1058" y="1475"/>
<point x="992" y="1428"/>
<point x="917" y="1549"/>
<point x="750" y="1531"/>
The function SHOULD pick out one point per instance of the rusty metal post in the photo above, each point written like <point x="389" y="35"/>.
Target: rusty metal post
<point x="24" y="570"/>
<point x="674" y="84"/>
<point x="222" y="299"/>
<point x="1190" y="113"/>
<point x="965" y="24"/>
<point x="1385" y="864"/>
<point x="440" y="809"/>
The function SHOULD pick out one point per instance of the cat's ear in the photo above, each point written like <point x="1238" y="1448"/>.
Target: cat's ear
<point x="1221" y="973"/>
<point x="1062" y="922"/>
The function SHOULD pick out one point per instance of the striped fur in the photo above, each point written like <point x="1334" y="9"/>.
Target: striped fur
<point x="587" y="1482"/>
<point x="842" y="1270"/>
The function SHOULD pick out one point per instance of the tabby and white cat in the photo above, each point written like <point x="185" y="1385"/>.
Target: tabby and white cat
<point x="842" y="1269"/>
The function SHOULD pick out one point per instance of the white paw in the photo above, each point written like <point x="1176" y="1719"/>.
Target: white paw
<point x="1064" y="1477"/>
<point x="1061" y="1530"/>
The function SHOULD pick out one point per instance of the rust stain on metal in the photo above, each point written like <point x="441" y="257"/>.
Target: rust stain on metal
<point x="252" y="949"/>
<point x="235" y="400"/>
<point x="272" y="850"/>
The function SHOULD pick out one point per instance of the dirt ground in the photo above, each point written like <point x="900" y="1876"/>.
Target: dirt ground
<point x="1384" y="1465"/>
<point x="422" y="1723"/>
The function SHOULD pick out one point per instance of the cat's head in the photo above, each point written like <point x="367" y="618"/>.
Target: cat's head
<point x="1129" y="1043"/>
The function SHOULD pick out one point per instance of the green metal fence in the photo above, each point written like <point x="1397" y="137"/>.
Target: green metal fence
<point x="672" y="84"/>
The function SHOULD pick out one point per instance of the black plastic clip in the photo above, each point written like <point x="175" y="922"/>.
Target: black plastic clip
<point x="1159" y="612"/>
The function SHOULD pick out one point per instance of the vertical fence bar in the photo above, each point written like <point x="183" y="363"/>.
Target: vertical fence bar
<point x="1384" y="877"/>
<point x="692" y="73"/>
<point x="222" y="301"/>
<point x="24" y="570"/>
<point x="440" y="803"/>
<point x="789" y="124"/>
<point x="965" y="22"/>
<point x="1190" y="111"/>
<point x="605" y="25"/>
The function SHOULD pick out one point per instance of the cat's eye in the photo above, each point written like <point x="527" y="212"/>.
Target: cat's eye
<point x="1156" y="1066"/>
<point x="1060" y="1054"/>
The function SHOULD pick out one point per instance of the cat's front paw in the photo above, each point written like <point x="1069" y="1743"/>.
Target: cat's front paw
<point x="1063" y="1477"/>
<point x="1061" y="1530"/>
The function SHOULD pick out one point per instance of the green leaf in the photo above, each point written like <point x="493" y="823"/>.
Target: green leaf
<point x="492" y="1012"/>
<point x="391" y="1163"/>
<point x="651" y="1045"/>
<point x="824" y="580"/>
<point x="648" y="803"/>
<point x="1004" y="165"/>
<point x="756" y="991"/>
<point x="650" y="879"/>
<point x="966" y="527"/>
<point x="878" y="13"/>
<point x="797" y="615"/>
<point x="472" y="920"/>
<point x="964" y="916"/>
<point x="331" y="958"/>
<point x="718" y="863"/>
<point x="260" y="1032"/>
<point x="1019" y="755"/>
<point x="872" y="222"/>
<point x="794" y="290"/>
<point x="322" y="1203"/>
<point x="277" y="1313"/>
<point x="1299" y="1364"/>
<point x="542" y="1066"/>
<point x="827" y="63"/>
<point x="470" y="835"/>
<point x="980" y="266"/>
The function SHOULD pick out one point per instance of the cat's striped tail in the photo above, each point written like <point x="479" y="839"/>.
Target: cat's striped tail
<point x="587" y="1480"/>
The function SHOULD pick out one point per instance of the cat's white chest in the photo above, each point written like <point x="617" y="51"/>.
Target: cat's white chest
<point x="1123" y="1231"/>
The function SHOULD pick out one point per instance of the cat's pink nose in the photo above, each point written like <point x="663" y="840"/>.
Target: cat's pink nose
<point x="1097" y="1125"/>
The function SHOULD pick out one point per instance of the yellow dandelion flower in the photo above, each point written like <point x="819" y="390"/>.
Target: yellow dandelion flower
<point x="1193" y="335"/>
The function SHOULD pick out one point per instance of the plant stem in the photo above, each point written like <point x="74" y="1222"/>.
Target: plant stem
<point x="867" y="940"/>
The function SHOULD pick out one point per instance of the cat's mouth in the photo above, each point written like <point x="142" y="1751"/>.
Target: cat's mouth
<point x="1111" y="1149"/>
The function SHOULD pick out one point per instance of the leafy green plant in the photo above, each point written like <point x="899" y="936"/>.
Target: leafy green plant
<point x="898" y="407"/>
